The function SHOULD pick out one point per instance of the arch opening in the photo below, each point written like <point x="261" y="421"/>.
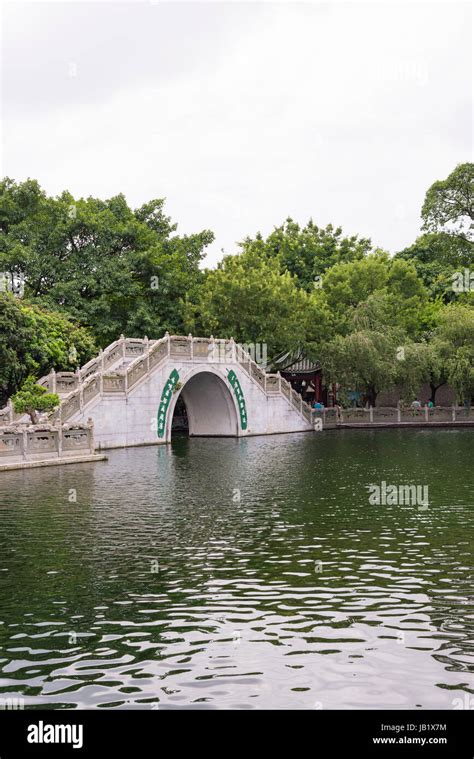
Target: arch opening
<point x="205" y="408"/>
<point x="180" y="423"/>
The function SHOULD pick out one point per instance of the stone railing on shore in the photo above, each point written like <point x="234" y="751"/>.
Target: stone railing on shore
<point x="406" y="415"/>
<point x="41" y="442"/>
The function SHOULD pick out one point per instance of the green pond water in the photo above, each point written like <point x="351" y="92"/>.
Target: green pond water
<point x="242" y="574"/>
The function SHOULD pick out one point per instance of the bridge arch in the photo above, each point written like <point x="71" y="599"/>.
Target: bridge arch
<point x="210" y="404"/>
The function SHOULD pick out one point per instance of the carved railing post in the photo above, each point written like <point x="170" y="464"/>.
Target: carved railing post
<point x="53" y="381"/>
<point x="212" y="348"/>
<point x="90" y="424"/>
<point x="167" y="335"/>
<point x="190" y="338"/>
<point x="147" y="354"/>
<point x="123" y="343"/>
<point x="24" y="443"/>
<point x="232" y="350"/>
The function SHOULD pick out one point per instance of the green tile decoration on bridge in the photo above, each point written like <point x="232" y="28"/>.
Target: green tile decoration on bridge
<point x="238" y="392"/>
<point x="165" y="402"/>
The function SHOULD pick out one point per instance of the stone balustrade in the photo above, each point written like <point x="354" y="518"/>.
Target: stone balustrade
<point x="157" y="352"/>
<point x="90" y="389"/>
<point x="406" y="415"/>
<point x="330" y="419"/>
<point x="355" y="415"/>
<point x="125" y="347"/>
<point x="285" y="387"/>
<point x="7" y="415"/>
<point x="136" y="372"/>
<point x="180" y="347"/>
<point x="66" y="382"/>
<point x="272" y="383"/>
<point x="113" y="382"/>
<point x="69" y="406"/>
<point x="42" y="442"/>
<point x="200" y="348"/>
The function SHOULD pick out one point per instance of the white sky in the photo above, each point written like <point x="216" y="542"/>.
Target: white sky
<point x="241" y="114"/>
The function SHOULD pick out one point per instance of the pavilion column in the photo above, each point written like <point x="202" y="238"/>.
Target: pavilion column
<point x="317" y="387"/>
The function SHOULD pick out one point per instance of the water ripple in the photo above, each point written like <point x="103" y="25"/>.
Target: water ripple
<point x="241" y="574"/>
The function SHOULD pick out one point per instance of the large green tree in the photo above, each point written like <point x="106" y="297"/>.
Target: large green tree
<point x="449" y="204"/>
<point x="307" y="252"/>
<point x="453" y="340"/>
<point x="375" y="279"/>
<point x="247" y="297"/>
<point x="33" y="398"/>
<point x="114" y="269"/>
<point x="437" y="257"/>
<point x="34" y="340"/>
<point x="446" y="246"/>
<point x="364" y="360"/>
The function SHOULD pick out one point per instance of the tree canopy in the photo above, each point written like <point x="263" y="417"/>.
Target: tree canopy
<point x="33" y="398"/>
<point x="34" y="340"/>
<point x="249" y="298"/>
<point x="449" y="204"/>
<point x="113" y="269"/>
<point x="307" y="252"/>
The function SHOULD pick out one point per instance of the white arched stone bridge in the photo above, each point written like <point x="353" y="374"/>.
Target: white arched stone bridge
<point x="131" y="389"/>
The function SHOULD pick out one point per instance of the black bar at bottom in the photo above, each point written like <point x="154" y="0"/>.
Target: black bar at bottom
<point x="135" y="733"/>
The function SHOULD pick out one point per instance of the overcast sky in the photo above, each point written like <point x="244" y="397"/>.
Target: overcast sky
<point x="241" y="114"/>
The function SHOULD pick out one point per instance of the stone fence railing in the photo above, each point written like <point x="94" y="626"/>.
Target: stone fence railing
<point x="45" y="441"/>
<point x="401" y="414"/>
<point x="120" y="350"/>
